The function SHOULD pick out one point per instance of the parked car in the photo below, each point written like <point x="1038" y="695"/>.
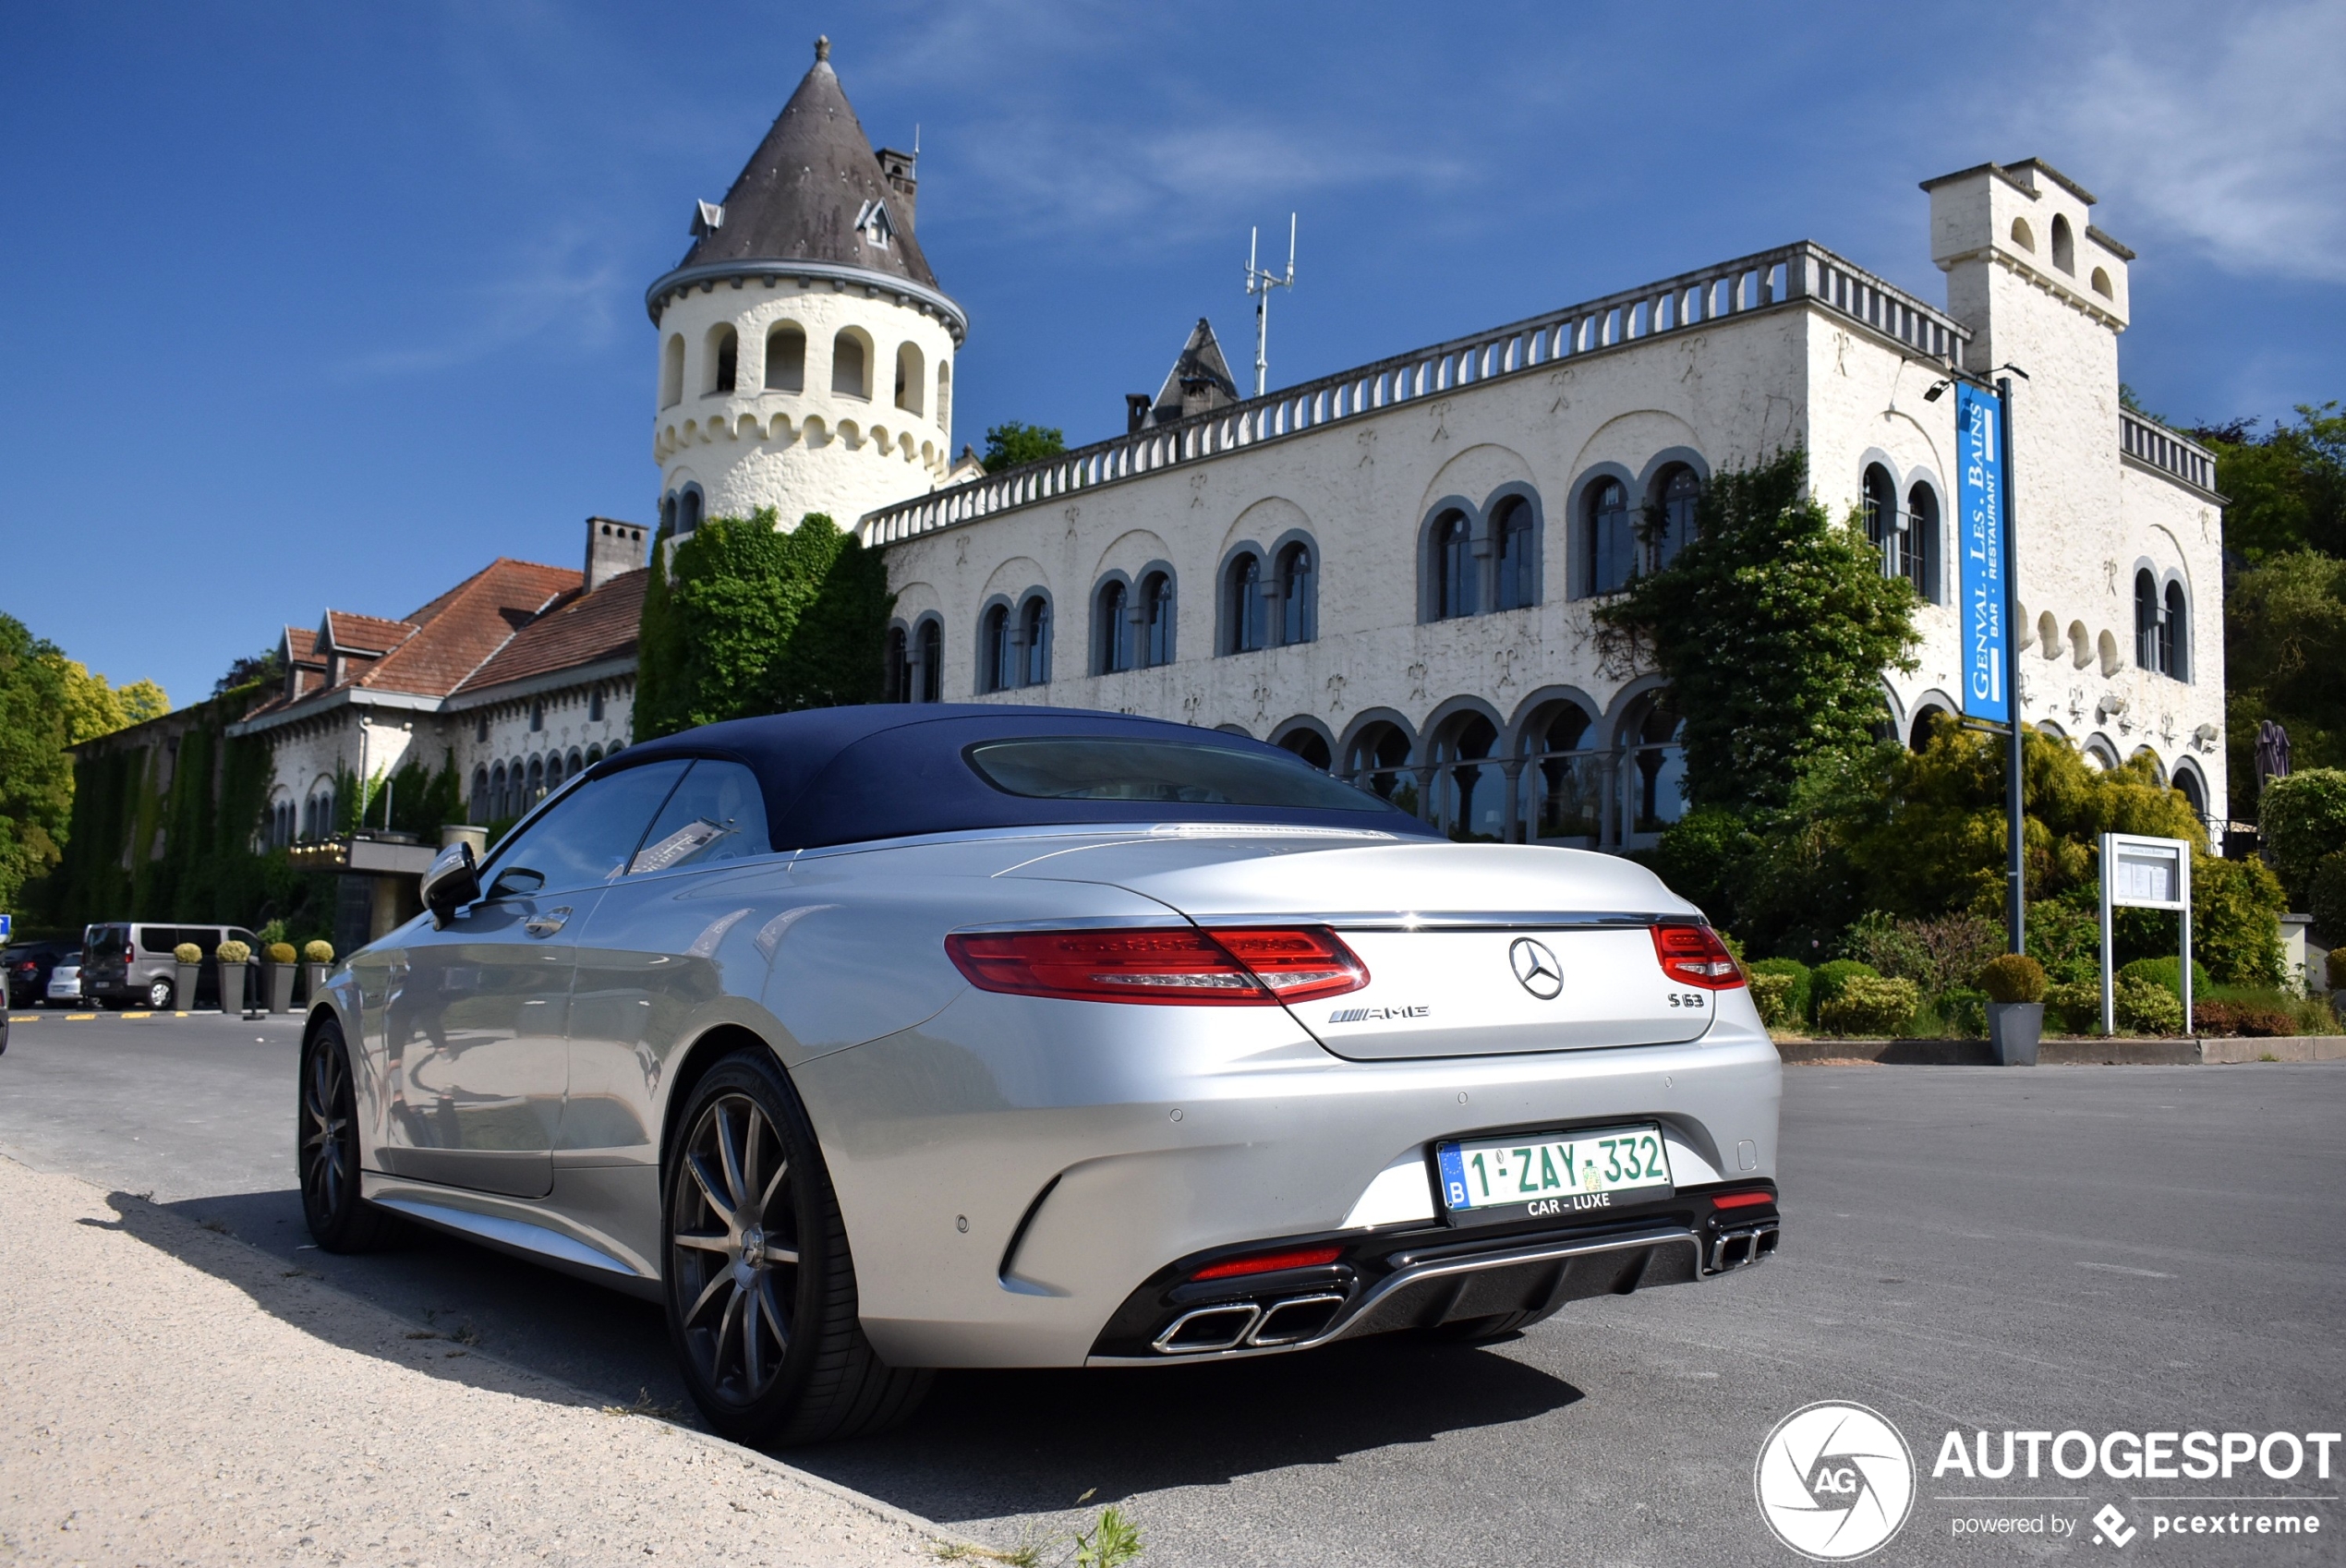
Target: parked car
<point x="65" y="982"/>
<point x="877" y="1040"/>
<point x="130" y="963"/>
<point x="28" y="966"/>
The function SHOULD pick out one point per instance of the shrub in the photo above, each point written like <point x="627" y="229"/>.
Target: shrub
<point x="1826" y="981"/>
<point x="2169" y="972"/>
<point x="187" y="953"/>
<point x="1796" y="995"/>
<point x="319" y="952"/>
<point x="1866" y="1003"/>
<point x="273" y="934"/>
<point x="2074" y="1007"/>
<point x="279" y="952"/>
<point x="232" y="952"/>
<point x="2015" y="977"/>
<point x="2303" y="819"/>
<point x="2336" y="966"/>
<point x="2326" y="902"/>
<point x="1964" y="1011"/>
<point x="2250" y="1018"/>
<point x="2235" y="920"/>
<point x="1772" y="993"/>
<point x="2145" y="1007"/>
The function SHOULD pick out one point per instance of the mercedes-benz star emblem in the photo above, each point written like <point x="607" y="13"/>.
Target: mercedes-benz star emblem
<point x="1536" y="968"/>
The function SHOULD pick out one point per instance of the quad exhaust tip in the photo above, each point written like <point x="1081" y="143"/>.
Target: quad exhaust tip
<point x="1235" y="1323"/>
<point x="1745" y="1243"/>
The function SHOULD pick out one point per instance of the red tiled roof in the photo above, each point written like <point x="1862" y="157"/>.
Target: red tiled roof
<point x="301" y="646"/>
<point x="464" y="627"/>
<point x="365" y="633"/>
<point x="588" y="628"/>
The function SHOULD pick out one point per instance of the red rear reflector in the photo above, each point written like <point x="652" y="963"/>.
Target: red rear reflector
<point x="1252" y="967"/>
<point x="1741" y="1199"/>
<point x="1694" y="954"/>
<point x="1269" y="1262"/>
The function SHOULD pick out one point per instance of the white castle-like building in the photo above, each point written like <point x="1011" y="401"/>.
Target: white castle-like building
<point x="1391" y="570"/>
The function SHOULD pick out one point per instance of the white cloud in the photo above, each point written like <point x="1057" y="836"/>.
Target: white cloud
<point x="2223" y="127"/>
<point x="558" y="288"/>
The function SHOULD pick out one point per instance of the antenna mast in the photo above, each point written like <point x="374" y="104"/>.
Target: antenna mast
<point x="1261" y="280"/>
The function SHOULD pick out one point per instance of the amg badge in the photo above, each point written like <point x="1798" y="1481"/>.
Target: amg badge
<point x="1361" y="1015"/>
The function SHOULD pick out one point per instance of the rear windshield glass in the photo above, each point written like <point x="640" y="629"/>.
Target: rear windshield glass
<point x="1100" y="768"/>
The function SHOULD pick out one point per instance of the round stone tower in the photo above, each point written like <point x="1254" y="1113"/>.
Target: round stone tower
<point x="805" y="358"/>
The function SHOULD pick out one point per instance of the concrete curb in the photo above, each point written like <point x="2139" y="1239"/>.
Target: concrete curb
<point x="2209" y="1051"/>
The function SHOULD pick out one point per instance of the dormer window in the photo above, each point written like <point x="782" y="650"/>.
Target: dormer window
<point x="874" y="223"/>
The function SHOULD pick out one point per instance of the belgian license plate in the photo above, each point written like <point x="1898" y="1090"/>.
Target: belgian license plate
<point x="1554" y="1173"/>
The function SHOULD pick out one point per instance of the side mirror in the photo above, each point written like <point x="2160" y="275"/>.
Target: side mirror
<point x="452" y="882"/>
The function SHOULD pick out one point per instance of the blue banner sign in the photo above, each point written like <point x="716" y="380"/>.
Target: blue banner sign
<point x="1980" y="506"/>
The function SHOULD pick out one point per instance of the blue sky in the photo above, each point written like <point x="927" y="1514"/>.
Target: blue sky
<point x="309" y="306"/>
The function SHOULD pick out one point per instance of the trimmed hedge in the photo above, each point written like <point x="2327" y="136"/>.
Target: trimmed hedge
<point x="1870" y="1004"/>
<point x="1827" y="979"/>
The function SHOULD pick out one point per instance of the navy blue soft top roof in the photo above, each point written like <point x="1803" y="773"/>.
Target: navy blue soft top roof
<point x="845" y="775"/>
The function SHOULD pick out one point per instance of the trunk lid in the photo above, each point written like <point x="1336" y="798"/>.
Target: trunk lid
<point x="1471" y="949"/>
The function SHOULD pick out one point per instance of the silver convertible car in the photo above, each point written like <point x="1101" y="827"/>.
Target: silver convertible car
<point x="877" y="1040"/>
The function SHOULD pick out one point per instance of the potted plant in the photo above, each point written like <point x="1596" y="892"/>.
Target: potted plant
<point x="278" y="975"/>
<point x="191" y="961"/>
<point x="236" y="969"/>
<point x="318" y="957"/>
<point x="2015" y="987"/>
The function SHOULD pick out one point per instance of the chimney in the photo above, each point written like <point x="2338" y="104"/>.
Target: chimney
<point x="1136" y="411"/>
<point x="612" y="546"/>
<point x="896" y="169"/>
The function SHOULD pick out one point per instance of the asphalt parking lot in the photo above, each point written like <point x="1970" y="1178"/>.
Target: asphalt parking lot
<point x="2135" y="1249"/>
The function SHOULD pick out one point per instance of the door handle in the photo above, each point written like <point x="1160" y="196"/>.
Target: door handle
<point x="546" y="924"/>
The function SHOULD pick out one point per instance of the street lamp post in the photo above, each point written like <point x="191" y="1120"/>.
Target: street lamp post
<point x="2015" y="861"/>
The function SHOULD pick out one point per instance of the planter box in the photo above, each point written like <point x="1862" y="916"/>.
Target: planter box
<point x="183" y="990"/>
<point x="2013" y="1028"/>
<point x="235" y="983"/>
<point x="317" y="979"/>
<point x="277" y="983"/>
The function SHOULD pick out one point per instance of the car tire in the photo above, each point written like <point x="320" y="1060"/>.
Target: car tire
<point x="159" y="996"/>
<point x="326" y="1151"/>
<point x="762" y="1307"/>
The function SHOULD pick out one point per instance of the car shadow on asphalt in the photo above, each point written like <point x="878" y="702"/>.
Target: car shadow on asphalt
<point x="985" y="1445"/>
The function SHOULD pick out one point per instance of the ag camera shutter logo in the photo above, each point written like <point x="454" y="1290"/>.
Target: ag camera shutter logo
<point x="1834" y="1481"/>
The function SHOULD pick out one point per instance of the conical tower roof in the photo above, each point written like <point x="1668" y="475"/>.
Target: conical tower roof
<point x="805" y="190"/>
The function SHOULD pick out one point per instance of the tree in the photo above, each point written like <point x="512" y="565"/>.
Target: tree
<point x="250" y="669"/>
<point x="93" y="707"/>
<point x="36" y="776"/>
<point x="1008" y="446"/>
<point x="748" y="620"/>
<point x="1773" y="626"/>
<point x="2286" y="489"/>
<point x="2284" y="650"/>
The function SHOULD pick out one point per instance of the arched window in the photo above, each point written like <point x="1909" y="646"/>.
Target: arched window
<point x="1608" y="544"/>
<point x="593" y="755"/>
<point x="2193" y="792"/>
<point x="725" y="354"/>
<point x="1654" y="768"/>
<point x="1244" y="613"/>
<point x="785" y="358"/>
<point x="1562" y="779"/>
<point x="897" y="686"/>
<point x="1676" y="497"/>
<point x="1455" y="587"/>
<point x="909" y="381"/>
<point x="1156" y="620"/>
<point x="1378" y="761"/>
<point x="2021" y="235"/>
<point x="537" y="787"/>
<point x="517" y="789"/>
<point x="480" y="729"/>
<point x="594" y="706"/>
<point x="849" y="370"/>
<point x="668" y="515"/>
<point x="482" y="802"/>
<point x="1034" y="641"/>
<point x="671" y="371"/>
<point x="1309" y="745"/>
<point x="2064" y="244"/>
<point x="996" y="671"/>
<point x="2175" y="626"/>
<point x="1926" y="725"/>
<point x="1298" y="591"/>
<point x="943" y="396"/>
<point x="1111" y="629"/>
<point x="2146" y="619"/>
<point x="688" y="504"/>
<point x="537" y="716"/>
<point x="553" y="772"/>
<point x="1881" y="517"/>
<point x="1518" y="584"/>
<point x="1922" y="542"/>
<point x="494" y="807"/>
<point x="575" y="764"/>
<point x="2101" y="283"/>
<point x="1470" y="791"/>
<point x="928" y="659"/>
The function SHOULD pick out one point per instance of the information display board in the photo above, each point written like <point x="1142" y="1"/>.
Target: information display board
<point x="2143" y="873"/>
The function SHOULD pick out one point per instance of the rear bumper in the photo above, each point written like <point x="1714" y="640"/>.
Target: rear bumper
<point x="1014" y="1176"/>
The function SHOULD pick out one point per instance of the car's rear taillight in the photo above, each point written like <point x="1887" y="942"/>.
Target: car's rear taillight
<point x="1269" y="1262"/>
<point x="1245" y="967"/>
<point x="1750" y="1198"/>
<point x="130" y="955"/>
<point x="1694" y="954"/>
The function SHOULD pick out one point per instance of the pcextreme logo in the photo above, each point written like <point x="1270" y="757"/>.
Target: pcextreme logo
<point x="1834" y="1481"/>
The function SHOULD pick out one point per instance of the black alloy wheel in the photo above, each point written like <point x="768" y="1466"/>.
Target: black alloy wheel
<point x="159" y="995"/>
<point x="326" y="1151"/>
<point x="761" y="1289"/>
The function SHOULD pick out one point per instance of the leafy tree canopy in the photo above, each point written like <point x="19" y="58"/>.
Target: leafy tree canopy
<point x="1008" y="446"/>
<point x="2287" y="487"/>
<point x="36" y="776"/>
<point x="1773" y="626"/>
<point x="2285" y="659"/>
<point x="748" y="620"/>
<point x="94" y="708"/>
<point x="249" y="669"/>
